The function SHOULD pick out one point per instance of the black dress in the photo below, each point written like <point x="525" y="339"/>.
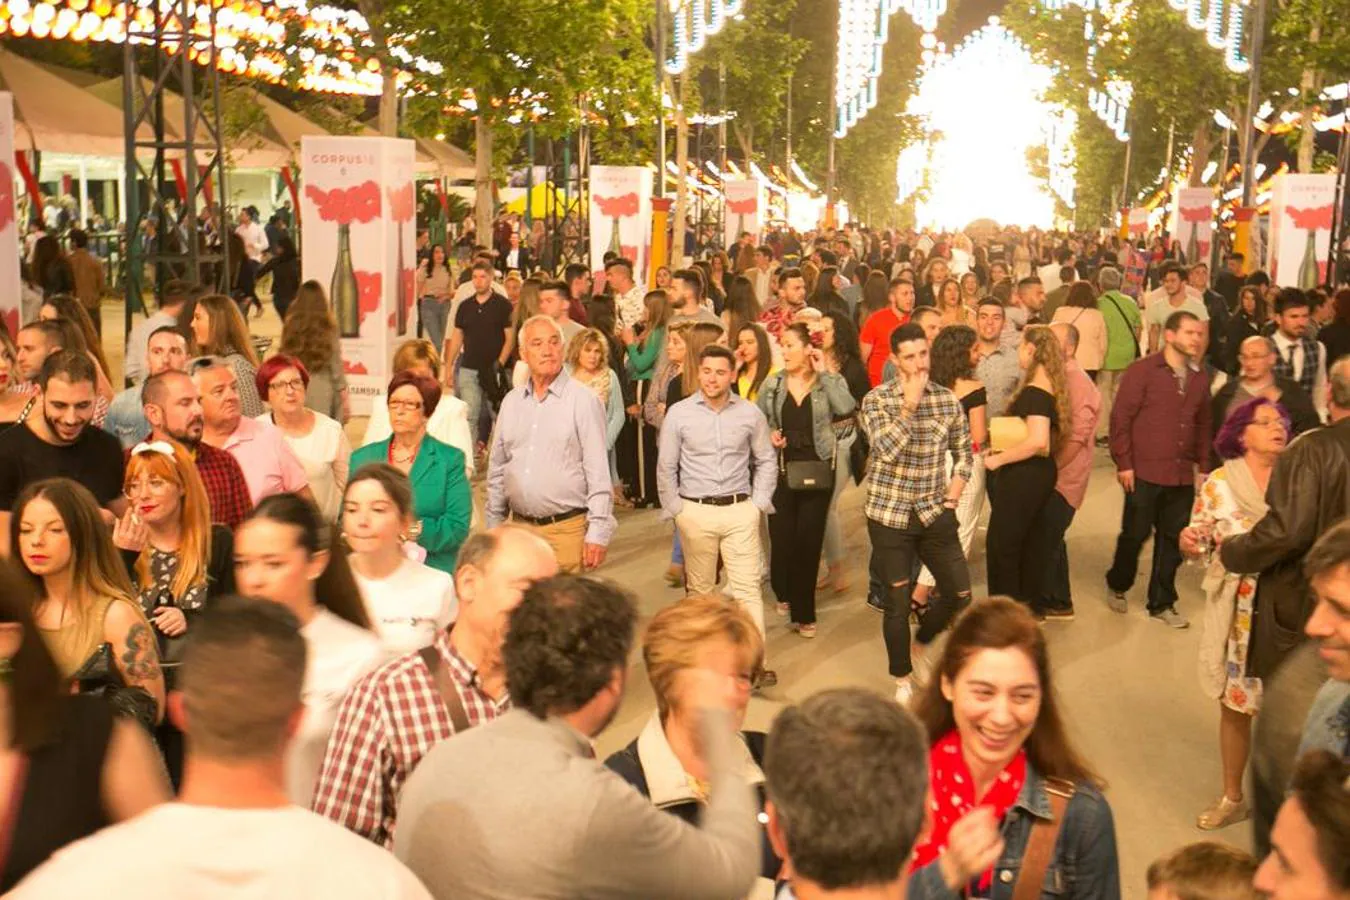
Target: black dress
<point x="63" y="789"/>
<point x="1017" y="551"/>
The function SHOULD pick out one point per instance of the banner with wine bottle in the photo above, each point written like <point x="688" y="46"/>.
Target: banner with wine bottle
<point x="744" y="211"/>
<point x="1300" y="229"/>
<point x="621" y="216"/>
<point x="358" y="235"/>
<point x="10" y="292"/>
<point x="1193" y="223"/>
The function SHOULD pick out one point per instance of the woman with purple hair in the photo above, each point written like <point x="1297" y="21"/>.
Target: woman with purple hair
<point x="1231" y="502"/>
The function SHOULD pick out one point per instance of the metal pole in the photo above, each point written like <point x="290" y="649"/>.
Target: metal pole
<point x="787" y="169"/>
<point x="1125" y="185"/>
<point x="1214" y="258"/>
<point x="1167" y="177"/>
<point x="660" y="51"/>
<point x="529" y="179"/>
<point x="1253" y="99"/>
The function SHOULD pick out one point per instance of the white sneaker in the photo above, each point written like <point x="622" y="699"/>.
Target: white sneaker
<point x="1171" y="618"/>
<point x="904" y="691"/>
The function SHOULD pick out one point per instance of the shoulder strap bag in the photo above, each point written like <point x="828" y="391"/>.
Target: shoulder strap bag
<point x="440" y="676"/>
<point x="803" y="474"/>
<point x="1041" y="845"/>
<point x="1128" y="327"/>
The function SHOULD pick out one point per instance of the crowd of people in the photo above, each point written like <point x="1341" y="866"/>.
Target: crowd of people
<point x="277" y="662"/>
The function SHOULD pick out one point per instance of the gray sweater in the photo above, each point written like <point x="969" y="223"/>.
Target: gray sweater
<point x="520" y="808"/>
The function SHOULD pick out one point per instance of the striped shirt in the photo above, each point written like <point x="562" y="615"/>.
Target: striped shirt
<point x="907" y="474"/>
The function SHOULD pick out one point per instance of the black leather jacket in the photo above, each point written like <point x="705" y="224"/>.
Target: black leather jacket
<point x="1309" y="492"/>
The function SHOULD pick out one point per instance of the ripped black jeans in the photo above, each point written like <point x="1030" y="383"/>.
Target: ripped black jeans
<point x="894" y="550"/>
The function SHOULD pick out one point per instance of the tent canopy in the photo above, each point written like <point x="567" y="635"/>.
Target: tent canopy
<point x="446" y="160"/>
<point x="52" y="114"/>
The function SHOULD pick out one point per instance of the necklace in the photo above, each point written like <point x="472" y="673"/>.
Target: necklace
<point x="397" y="457"/>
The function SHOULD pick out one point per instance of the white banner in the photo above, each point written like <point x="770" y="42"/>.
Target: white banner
<point x="744" y="211"/>
<point x="1300" y="230"/>
<point x="356" y="213"/>
<point x="621" y="216"/>
<point x="1138" y="221"/>
<point x="10" y="290"/>
<point x="1193" y="229"/>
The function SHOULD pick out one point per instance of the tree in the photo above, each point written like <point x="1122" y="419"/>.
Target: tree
<point x="1307" y="48"/>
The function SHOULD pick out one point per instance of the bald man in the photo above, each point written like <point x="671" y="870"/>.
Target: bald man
<point x="1257" y="378"/>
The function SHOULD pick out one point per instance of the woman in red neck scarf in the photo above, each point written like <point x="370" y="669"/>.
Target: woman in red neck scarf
<point x="1005" y="786"/>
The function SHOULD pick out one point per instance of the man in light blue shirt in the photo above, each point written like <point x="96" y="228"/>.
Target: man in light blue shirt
<point x="549" y="465"/>
<point x="166" y="350"/>
<point x="716" y="474"/>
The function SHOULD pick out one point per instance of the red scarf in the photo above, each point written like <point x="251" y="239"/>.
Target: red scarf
<point x="953" y="795"/>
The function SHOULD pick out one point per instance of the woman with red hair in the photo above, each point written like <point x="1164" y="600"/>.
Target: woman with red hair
<point x="317" y="440"/>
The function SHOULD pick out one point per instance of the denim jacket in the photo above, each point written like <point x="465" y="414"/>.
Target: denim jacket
<point x="1084" y="866"/>
<point x="1328" y="725"/>
<point x="830" y="399"/>
<point x="126" y="418"/>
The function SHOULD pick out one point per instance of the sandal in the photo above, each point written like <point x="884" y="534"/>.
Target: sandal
<point x="1223" y="813"/>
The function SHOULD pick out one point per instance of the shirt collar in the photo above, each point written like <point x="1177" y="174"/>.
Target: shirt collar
<point x="245" y="431"/>
<point x="667" y="782"/>
<point x="732" y="400"/>
<point x="555" y="386"/>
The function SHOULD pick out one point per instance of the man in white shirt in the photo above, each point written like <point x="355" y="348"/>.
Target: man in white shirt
<point x="1176" y="300"/>
<point x="761" y="274"/>
<point x="252" y="234"/>
<point x="1299" y="356"/>
<point x="629" y="297"/>
<point x="174" y="298"/>
<point x="233" y="831"/>
<point x="1049" y="273"/>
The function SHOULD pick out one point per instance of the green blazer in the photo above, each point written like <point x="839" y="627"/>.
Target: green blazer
<point x="441" y="496"/>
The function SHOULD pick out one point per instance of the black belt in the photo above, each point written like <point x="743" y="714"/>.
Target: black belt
<point x="724" y="500"/>
<point x="542" y="521"/>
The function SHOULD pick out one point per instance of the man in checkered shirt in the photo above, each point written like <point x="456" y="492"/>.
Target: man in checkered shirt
<point x="391" y="718"/>
<point x="913" y="426"/>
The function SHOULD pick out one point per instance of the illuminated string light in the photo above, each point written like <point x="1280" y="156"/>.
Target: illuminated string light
<point x="864" y="28"/>
<point x="694" y="21"/>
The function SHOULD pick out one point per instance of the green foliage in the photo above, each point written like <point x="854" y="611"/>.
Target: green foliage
<point x="333" y="113"/>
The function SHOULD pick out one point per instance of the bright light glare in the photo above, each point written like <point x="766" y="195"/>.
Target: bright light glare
<point x="979" y="166"/>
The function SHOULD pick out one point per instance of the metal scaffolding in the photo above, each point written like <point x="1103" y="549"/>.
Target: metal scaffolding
<point x="176" y="172"/>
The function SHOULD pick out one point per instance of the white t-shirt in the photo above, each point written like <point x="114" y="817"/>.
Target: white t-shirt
<point x="174" y="851"/>
<point x="339" y="654"/>
<point x="410" y="606"/>
<point x="1158" y="313"/>
<point x="1049" y="276"/>
<point x="325" y="454"/>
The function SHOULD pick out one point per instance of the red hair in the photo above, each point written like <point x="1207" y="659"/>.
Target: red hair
<point x="427" y="387"/>
<point x="274" y="366"/>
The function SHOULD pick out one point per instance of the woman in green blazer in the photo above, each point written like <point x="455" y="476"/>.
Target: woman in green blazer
<point x="442" y="500"/>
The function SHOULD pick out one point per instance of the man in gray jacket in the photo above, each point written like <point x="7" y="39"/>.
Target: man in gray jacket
<point x="520" y="807"/>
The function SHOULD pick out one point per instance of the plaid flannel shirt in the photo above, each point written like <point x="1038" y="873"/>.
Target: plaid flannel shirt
<point x="226" y="488"/>
<point x="908" y="469"/>
<point x="387" y="722"/>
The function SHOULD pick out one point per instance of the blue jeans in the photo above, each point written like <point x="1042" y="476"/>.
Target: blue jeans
<point x="471" y="392"/>
<point x="432" y="314"/>
<point x="676" y="551"/>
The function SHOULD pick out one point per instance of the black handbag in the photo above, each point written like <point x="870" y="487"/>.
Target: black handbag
<point x="98" y="676"/>
<point x="804" y="474"/>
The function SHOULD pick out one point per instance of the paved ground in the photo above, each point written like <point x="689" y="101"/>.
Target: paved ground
<point x="1128" y="686"/>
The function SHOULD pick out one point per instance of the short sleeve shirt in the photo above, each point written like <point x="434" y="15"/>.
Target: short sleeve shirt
<point x="1157" y="313"/>
<point x="484" y="326"/>
<point x="94" y="460"/>
<point x="877" y="332"/>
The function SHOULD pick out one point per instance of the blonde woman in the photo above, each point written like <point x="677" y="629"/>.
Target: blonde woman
<point x="218" y="329"/>
<point x="1022" y="477"/>
<point x="667" y="762"/>
<point x="588" y="362"/>
<point x="954" y="311"/>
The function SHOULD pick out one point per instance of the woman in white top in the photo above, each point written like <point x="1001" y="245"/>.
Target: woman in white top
<point x="407" y="602"/>
<point x="281" y="553"/>
<point x="449" y="424"/>
<point x="318" y="440"/>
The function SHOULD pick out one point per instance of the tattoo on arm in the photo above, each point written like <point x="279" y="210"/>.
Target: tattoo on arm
<point x="140" y="660"/>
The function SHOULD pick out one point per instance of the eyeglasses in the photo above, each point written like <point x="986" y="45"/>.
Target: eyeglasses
<point x="154" y="485"/>
<point x="293" y="384"/>
<point x="404" y="406"/>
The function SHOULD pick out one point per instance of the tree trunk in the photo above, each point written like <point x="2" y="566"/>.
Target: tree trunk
<point x="389" y="102"/>
<point x="1201" y="145"/>
<point x="482" y="177"/>
<point x="1309" y="85"/>
<point x="746" y="138"/>
<point x="681" y="186"/>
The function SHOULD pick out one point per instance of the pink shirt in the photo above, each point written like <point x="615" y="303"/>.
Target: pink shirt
<point x="1075" y="457"/>
<point x="270" y="466"/>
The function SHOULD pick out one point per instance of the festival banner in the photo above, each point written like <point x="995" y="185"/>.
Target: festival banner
<point x="1192" y="228"/>
<point x="621" y="216"/>
<point x="10" y="291"/>
<point x="357" y="210"/>
<point x="1138" y="222"/>
<point x="1300" y="229"/>
<point x="745" y="211"/>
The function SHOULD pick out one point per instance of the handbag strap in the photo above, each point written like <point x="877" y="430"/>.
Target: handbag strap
<point x="1041" y="845"/>
<point x="440" y="676"/>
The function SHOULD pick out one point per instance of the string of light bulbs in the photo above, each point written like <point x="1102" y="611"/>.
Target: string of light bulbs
<point x="864" y="28"/>
<point x="694" y="22"/>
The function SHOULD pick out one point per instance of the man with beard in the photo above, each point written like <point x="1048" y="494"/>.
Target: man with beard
<point x="270" y="465"/>
<point x="62" y="443"/>
<point x="174" y="410"/>
<point x="166" y="349"/>
<point x="470" y="822"/>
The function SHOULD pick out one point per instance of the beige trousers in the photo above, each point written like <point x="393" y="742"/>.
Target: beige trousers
<point x="565" y="537"/>
<point x="733" y="533"/>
